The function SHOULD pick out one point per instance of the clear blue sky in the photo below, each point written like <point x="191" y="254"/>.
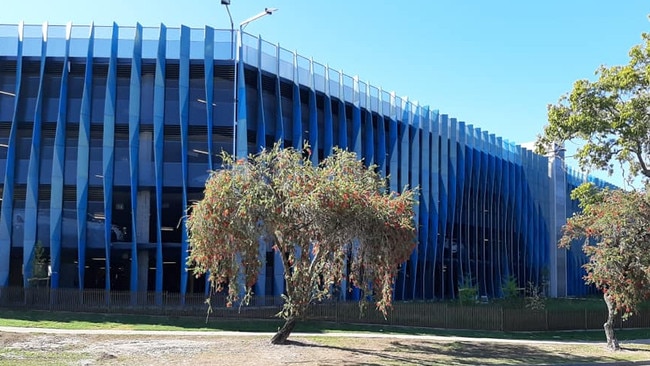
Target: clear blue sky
<point x="495" y="64"/>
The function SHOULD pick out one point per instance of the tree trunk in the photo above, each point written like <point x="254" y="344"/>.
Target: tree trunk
<point x="283" y="333"/>
<point x="612" y="342"/>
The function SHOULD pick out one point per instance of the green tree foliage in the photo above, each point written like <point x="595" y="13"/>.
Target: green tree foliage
<point x="608" y="116"/>
<point x="615" y="227"/>
<point x="327" y="222"/>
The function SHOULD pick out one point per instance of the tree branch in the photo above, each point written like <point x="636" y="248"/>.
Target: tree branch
<point x="644" y="167"/>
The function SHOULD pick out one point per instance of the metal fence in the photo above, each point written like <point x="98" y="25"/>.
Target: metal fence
<point x="444" y="315"/>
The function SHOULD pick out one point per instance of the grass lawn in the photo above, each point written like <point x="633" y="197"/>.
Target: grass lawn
<point x="64" y="349"/>
<point x="68" y="320"/>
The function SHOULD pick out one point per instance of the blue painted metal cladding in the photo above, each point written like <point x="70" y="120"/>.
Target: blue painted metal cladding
<point x="404" y="155"/>
<point x="31" y="199"/>
<point x="499" y="208"/>
<point x="328" y="122"/>
<point x="434" y="165"/>
<point x="511" y="210"/>
<point x="483" y="209"/>
<point x="451" y="213"/>
<point x="444" y="201"/>
<point x="393" y="153"/>
<point x="503" y="213"/>
<point x="424" y="201"/>
<point x="279" y="120"/>
<point x="493" y="285"/>
<point x="83" y="160"/>
<point x="7" y="210"/>
<point x="474" y="155"/>
<point x="529" y="222"/>
<point x="497" y="219"/>
<point x="260" y="286"/>
<point x="498" y="243"/>
<point x="532" y="229"/>
<point x="208" y="66"/>
<point x="368" y="140"/>
<point x="58" y="165"/>
<point x="260" y="138"/>
<point x="537" y="215"/>
<point x="328" y="118"/>
<point x="108" y="150"/>
<point x="343" y="125"/>
<point x="313" y="121"/>
<point x="520" y="215"/>
<point x="134" y="148"/>
<point x="241" y="129"/>
<point x="158" y="138"/>
<point x="380" y="156"/>
<point x="525" y="219"/>
<point x="469" y="202"/>
<point x="478" y="211"/>
<point x="533" y="232"/>
<point x="469" y="215"/>
<point x="414" y="138"/>
<point x="296" y="137"/>
<point x="482" y="213"/>
<point x="355" y="139"/>
<point x="483" y="234"/>
<point x="480" y="218"/>
<point x="278" y="270"/>
<point x="460" y="196"/>
<point x="184" y="96"/>
<point x="486" y="172"/>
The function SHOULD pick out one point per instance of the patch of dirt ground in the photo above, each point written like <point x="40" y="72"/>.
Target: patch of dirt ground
<point x="80" y="349"/>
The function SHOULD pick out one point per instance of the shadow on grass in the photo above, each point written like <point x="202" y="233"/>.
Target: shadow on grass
<point x="468" y="353"/>
<point x="383" y="356"/>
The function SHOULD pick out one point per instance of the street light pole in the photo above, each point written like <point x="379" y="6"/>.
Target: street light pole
<point x="236" y="55"/>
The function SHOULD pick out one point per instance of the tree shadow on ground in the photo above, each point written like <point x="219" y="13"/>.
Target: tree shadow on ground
<point x="467" y="353"/>
<point x="397" y="359"/>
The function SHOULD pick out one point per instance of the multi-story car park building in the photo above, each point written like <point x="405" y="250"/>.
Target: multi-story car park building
<point x="107" y="134"/>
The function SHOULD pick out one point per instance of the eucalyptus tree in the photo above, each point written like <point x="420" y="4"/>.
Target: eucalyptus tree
<point x="331" y="223"/>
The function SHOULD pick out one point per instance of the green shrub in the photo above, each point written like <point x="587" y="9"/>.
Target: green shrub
<point x="510" y="289"/>
<point x="467" y="290"/>
<point x="535" y="299"/>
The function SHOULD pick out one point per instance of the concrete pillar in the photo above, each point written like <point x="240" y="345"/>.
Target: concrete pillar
<point x="143" y="271"/>
<point x="142" y="219"/>
<point x="144" y="196"/>
<point x="145" y="152"/>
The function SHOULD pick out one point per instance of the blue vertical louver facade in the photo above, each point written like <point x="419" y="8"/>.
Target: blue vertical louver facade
<point x="107" y="134"/>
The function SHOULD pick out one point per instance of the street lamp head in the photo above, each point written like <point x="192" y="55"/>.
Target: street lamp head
<point x="267" y="11"/>
<point x="225" y="2"/>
